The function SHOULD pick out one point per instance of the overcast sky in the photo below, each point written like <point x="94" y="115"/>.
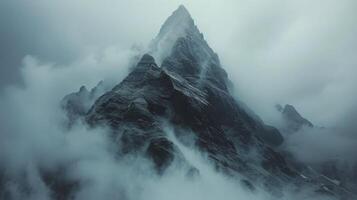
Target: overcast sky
<point x="299" y="52"/>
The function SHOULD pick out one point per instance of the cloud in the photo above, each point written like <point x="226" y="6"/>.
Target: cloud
<point x="298" y="52"/>
<point x="319" y="145"/>
<point x="30" y="115"/>
<point x="63" y="31"/>
<point x="33" y="143"/>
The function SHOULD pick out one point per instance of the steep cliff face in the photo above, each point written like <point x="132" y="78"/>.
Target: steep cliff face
<point x="188" y="91"/>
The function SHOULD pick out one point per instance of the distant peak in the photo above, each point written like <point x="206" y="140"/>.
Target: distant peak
<point x="291" y="114"/>
<point x="290" y="109"/>
<point x="182" y="11"/>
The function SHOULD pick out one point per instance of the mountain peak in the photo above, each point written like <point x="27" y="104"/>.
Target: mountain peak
<point x="289" y="109"/>
<point x="179" y="21"/>
<point x="181" y="48"/>
<point x="179" y="24"/>
<point x="293" y="118"/>
<point x="182" y="10"/>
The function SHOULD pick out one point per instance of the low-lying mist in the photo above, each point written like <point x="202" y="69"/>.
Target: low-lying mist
<point x="34" y="145"/>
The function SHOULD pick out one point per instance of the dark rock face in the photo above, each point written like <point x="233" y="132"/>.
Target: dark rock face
<point x="293" y="120"/>
<point x="135" y="107"/>
<point x="161" y="152"/>
<point x="190" y="92"/>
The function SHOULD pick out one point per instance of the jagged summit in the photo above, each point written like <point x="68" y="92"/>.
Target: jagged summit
<point x="181" y="49"/>
<point x="179" y="22"/>
<point x="182" y="8"/>
<point x="179" y="25"/>
<point x="181" y="11"/>
<point x="294" y="121"/>
<point x="291" y="113"/>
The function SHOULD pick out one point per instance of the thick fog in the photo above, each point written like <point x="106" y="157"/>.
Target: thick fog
<point x="297" y="52"/>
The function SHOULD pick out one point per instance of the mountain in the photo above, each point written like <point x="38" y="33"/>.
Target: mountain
<point x="78" y="103"/>
<point x="189" y="91"/>
<point x="180" y="85"/>
<point x="293" y="121"/>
